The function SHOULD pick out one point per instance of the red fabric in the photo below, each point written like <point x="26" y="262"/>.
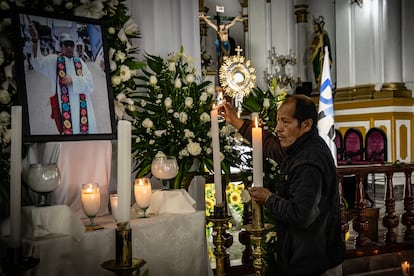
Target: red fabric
<point x="56" y="115"/>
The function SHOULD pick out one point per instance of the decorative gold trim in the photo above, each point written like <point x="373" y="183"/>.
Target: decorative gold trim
<point x="301" y="13"/>
<point x="244" y="3"/>
<point x="237" y="75"/>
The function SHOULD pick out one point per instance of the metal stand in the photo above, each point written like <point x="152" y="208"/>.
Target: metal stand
<point x="124" y="264"/>
<point x="258" y="232"/>
<point x="15" y="264"/>
<point x="220" y="222"/>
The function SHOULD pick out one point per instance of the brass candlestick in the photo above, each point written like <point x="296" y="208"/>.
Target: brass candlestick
<point x="220" y="221"/>
<point x="258" y="231"/>
<point x="123" y="264"/>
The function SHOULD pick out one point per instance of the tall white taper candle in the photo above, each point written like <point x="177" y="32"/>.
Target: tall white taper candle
<point x="15" y="176"/>
<point x="216" y="154"/>
<point x="124" y="171"/>
<point x="257" y="155"/>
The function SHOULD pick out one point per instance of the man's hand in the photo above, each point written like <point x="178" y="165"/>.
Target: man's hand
<point x="230" y="114"/>
<point x="259" y="194"/>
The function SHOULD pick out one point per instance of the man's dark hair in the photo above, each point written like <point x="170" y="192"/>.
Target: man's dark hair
<point x="305" y="108"/>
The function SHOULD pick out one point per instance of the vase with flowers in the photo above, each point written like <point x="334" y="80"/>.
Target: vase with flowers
<point x="172" y="118"/>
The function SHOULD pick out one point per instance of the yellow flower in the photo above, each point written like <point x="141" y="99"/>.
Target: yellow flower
<point x="235" y="198"/>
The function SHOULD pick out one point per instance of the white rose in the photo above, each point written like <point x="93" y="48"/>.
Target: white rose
<point x="266" y="103"/>
<point x="210" y="90"/>
<point x="160" y="154"/>
<point x="151" y="142"/>
<point x="189" y="78"/>
<point x="176" y="115"/>
<point x="7" y="136"/>
<point x="205" y="117"/>
<point x="183" y="117"/>
<point x="147" y="123"/>
<point x="177" y="84"/>
<point x="171" y="66"/>
<point x="4" y="96"/>
<point x="138" y="140"/>
<point x="4" y="118"/>
<point x="159" y="133"/>
<point x="159" y="96"/>
<point x="203" y="97"/>
<point x="168" y="102"/>
<point x="188" y="102"/>
<point x="116" y="80"/>
<point x="143" y="103"/>
<point x="153" y="80"/>
<point x="121" y="56"/>
<point x="111" y="30"/>
<point x="194" y="148"/>
<point x="188" y="133"/>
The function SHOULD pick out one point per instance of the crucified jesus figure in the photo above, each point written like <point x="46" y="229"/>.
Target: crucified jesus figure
<point x="222" y="43"/>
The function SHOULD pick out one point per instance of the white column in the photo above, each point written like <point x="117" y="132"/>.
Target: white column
<point x="302" y="52"/>
<point x="392" y="41"/>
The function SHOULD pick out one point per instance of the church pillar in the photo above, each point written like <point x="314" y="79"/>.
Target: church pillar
<point x="301" y="13"/>
<point x="392" y="48"/>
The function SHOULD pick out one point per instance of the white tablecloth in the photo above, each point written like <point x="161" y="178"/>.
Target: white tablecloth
<point x="170" y="244"/>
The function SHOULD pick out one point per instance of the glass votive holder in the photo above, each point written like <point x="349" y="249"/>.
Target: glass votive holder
<point x="114" y="205"/>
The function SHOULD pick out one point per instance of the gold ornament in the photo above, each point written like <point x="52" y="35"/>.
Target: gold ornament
<point x="237" y="75"/>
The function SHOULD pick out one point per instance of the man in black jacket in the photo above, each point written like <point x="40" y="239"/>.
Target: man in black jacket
<point x="306" y="206"/>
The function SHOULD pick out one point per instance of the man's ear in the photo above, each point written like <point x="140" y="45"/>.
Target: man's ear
<point x="307" y="124"/>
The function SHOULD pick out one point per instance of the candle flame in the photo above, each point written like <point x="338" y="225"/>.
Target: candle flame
<point x="256" y="122"/>
<point x="214" y="106"/>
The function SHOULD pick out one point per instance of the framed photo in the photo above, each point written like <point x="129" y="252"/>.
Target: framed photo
<point x="65" y="86"/>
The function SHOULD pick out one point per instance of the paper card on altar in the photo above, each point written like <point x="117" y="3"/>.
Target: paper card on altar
<point x="56" y="219"/>
<point x="171" y="202"/>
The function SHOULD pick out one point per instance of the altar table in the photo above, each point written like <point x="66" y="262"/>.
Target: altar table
<point x="170" y="245"/>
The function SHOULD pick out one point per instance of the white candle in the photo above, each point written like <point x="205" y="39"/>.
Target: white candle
<point x="143" y="192"/>
<point x="114" y="205"/>
<point x="15" y="176"/>
<point x="405" y="267"/>
<point x="216" y="154"/>
<point x="257" y="155"/>
<point x="91" y="199"/>
<point x="124" y="171"/>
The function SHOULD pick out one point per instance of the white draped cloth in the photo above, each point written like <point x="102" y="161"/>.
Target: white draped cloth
<point x="79" y="162"/>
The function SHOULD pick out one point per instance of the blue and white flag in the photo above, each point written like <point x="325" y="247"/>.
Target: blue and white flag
<point x="326" y="122"/>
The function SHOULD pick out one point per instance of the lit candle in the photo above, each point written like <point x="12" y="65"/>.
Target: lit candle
<point x="405" y="267"/>
<point x="216" y="154"/>
<point x="124" y="171"/>
<point x="91" y="199"/>
<point x="15" y="176"/>
<point x="143" y="192"/>
<point x="114" y="205"/>
<point x="257" y="155"/>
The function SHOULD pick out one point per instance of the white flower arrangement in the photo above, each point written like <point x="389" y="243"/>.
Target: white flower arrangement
<point x="173" y="116"/>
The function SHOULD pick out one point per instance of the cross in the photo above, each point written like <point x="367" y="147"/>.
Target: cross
<point x="238" y="50"/>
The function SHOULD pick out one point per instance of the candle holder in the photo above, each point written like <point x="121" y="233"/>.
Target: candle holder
<point x="91" y="203"/>
<point x="220" y="222"/>
<point x="123" y="264"/>
<point x="15" y="263"/>
<point x="258" y="231"/>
